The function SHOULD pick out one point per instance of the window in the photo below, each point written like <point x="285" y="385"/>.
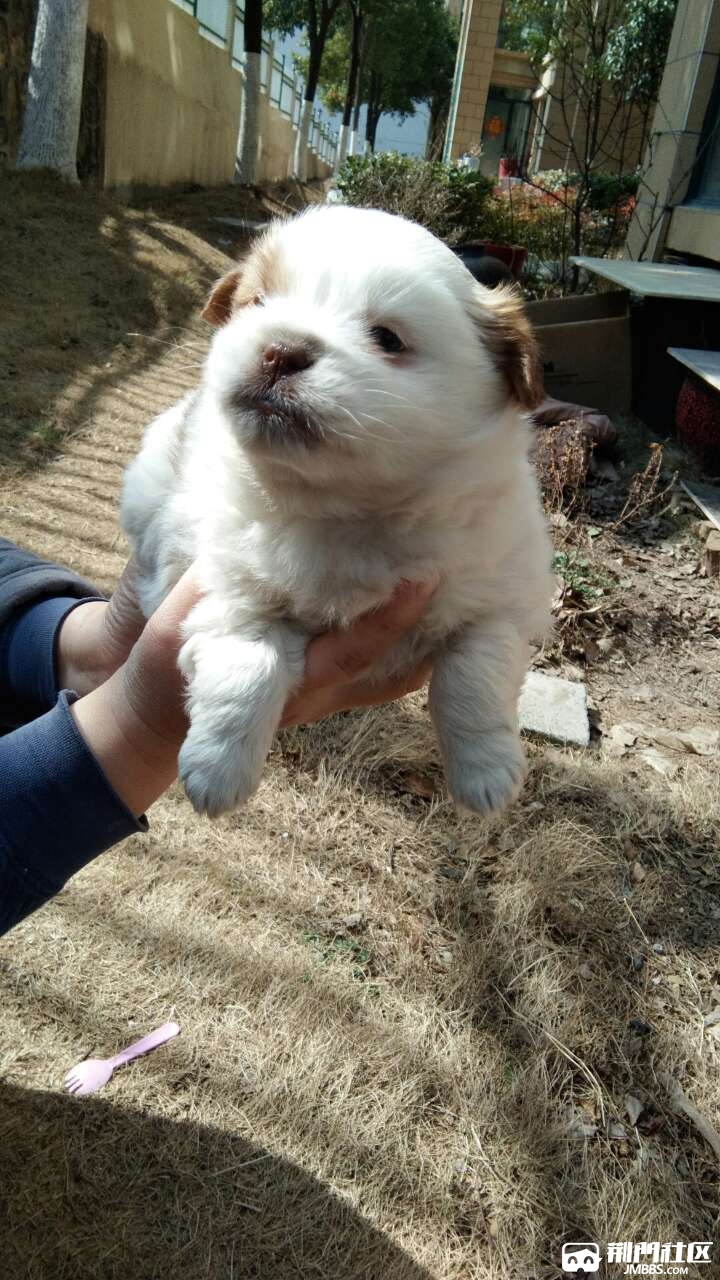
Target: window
<point x="705" y="185"/>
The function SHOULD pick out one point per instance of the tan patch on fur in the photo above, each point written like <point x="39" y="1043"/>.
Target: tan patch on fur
<point x="508" y="336"/>
<point x="262" y="274"/>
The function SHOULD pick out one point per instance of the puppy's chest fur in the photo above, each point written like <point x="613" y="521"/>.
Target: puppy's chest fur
<point x="323" y="572"/>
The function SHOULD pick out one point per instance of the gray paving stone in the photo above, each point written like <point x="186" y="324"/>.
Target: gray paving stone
<point x="554" y="708"/>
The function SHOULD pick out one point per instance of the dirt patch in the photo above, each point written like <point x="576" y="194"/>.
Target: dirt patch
<point x="415" y="1045"/>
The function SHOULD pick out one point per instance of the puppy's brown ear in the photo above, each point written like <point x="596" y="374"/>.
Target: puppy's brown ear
<point x="219" y="306"/>
<point x="507" y="334"/>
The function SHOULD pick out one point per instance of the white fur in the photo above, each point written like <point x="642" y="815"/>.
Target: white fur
<point x="421" y="468"/>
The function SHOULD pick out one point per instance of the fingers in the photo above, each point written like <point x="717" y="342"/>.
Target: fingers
<point x="123" y="621"/>
<point x="305" y="708"/>
<point x="339" y="656"/>
<point x="153" y="683"/>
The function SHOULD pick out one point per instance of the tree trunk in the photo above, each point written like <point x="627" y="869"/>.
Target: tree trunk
<point x="317" y="33"/>
<point x="352" y="80"/>
<point x="437" y="125"/>
<point x="317" y="44"/>
<point x="374" y="111"/>
<point x="247" y="144"/>
<point x="352" y="87"/>
<point x="52" y="115"/>
<point x="246" y="158"/>
<point x="342" y="147"/>
<point x="301" y="141"/>
<point x="355" y="127"/>
<point x="373" y="121"/>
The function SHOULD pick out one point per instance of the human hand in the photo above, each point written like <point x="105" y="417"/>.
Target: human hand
<point x="336" y="661"/>
<point x="95" y="638"/>
<point x="134" y="722"/>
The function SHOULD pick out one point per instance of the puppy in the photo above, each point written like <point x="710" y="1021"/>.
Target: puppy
<point x="359" y="421"/>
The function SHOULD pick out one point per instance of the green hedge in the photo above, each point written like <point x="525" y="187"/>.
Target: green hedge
<point x="450" y="202"/>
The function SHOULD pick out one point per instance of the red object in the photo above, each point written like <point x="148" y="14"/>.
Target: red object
<point x="508" y="167"/>
<point x="697" y="418"/>
<point x="513" y="255"/>
<point x="494" y="126"/>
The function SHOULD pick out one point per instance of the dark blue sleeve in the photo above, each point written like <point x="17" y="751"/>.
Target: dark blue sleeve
<point x="35" y="596"/>
<point x="25" y="578"/>
<point x="57" y="811"/>
<point x="57" y="808"/>
<point x="28" y="677"/>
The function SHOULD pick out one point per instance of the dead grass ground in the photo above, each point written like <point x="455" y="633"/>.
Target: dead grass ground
<point x="411" y="1041"/>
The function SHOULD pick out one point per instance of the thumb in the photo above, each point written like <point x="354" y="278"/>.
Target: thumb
<point x="123" y="620"/>
<point x="153" y="683"/>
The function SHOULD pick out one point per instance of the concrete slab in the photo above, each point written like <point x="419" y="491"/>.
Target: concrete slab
<point x="554" y="708"/>
<point x="657" y="279"/>
<point x="706" y="497"/>
<point x="706" y="364"/>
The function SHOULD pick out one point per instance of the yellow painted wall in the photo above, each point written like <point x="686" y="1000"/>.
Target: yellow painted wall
<point x="276" y="147"/>
<point x="173" y="98"/>
<point x="173" y="102"/>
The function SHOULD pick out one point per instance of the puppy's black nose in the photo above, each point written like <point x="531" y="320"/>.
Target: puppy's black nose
<point x="281" y="360"/>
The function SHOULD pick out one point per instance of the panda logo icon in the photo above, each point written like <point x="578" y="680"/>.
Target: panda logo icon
<point x="580" y="1257"/>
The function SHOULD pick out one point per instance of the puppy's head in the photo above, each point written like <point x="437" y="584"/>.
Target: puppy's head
<point x="349" y="337"/>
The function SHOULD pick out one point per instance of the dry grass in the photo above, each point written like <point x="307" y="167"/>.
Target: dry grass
<point x="408" y="1036"/>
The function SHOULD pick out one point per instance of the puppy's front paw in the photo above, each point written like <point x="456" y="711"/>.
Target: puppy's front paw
<point x="485" y="774"/>
<point x="216" y="775"/>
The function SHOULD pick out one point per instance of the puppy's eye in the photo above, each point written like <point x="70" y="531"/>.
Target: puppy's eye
<point x="386" y="339"/>
<point x="259" y="300"/>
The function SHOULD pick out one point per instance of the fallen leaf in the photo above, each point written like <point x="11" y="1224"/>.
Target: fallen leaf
<point x="606" y="644"/>
<point x="616" y="1131"/>
<point x="700" y="741"/>
<point x="644" y="693"/>
<point x="662" y="764"/>
<point x="634" y="1108"/>
<point x="418" y="784"/>
<point x="580" y="1128"/>
<point x="618" y="738"/>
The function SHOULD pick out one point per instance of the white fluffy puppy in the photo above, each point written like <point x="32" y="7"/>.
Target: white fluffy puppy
<point x="359" y="421"/>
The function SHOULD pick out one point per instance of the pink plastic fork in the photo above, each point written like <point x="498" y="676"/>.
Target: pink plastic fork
<point x="93" y="1073"/>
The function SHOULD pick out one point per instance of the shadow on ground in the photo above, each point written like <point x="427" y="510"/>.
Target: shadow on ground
<point x="80" y="1182"/>
<point x="92" y="291"/>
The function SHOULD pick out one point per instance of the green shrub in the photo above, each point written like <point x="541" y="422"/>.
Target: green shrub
<point x="450" y="202"/>
<point x="547" y="215"/>
<point x="610" y="191"/>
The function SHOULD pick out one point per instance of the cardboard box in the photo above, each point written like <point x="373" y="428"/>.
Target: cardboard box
<point x="586" y="349"/>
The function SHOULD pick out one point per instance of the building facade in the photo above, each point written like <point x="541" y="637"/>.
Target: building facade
<point x="501" y="106"/>
<point x="678" y="207"/>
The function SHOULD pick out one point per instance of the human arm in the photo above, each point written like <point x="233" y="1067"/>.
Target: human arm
<point x="75" y="781"/>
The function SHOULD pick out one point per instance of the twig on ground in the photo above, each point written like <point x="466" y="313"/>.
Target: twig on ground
<point x="680" y="1103"/>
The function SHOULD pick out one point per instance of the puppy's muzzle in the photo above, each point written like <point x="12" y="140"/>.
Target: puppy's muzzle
<point x="283" y="360"/>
